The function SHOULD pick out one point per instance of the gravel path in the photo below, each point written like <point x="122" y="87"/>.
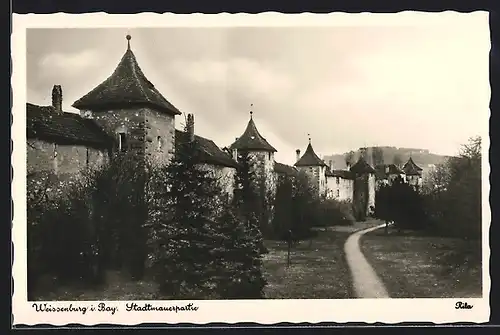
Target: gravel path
<point x="366" y="283"/>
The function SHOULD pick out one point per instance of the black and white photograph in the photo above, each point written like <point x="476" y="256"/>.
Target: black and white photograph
<point x="327" y="162"/>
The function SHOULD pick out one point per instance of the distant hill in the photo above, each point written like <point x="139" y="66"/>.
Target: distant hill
<point x="422" y="157"/>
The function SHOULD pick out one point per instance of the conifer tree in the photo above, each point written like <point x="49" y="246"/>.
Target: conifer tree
<point x="241" y="245"/>
<point x="185" y="234"/>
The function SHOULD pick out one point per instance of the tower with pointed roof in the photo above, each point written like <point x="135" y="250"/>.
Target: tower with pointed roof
<point x="364" y="187"/>
<point x="314" y="167"/>
<point x="413" y="173"/>
<point x="130" y="109"/>
<point x="261" y="154"/>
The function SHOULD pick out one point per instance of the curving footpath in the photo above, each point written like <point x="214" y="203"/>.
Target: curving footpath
<point x="366" y="283"/>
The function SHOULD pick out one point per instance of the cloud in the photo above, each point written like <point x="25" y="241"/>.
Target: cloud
<point x="69" y="64"/>
<point x="420" y="86"/>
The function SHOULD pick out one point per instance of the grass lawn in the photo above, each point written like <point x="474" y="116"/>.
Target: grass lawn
<point x="413" y="266"/>
<point x="317" y="271"/>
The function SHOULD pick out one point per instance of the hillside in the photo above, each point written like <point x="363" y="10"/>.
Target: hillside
<point x="422" y="157"/>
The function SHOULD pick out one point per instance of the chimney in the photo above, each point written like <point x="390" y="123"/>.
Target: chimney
<point x="57" y="98"/>
<point x="330" y="164"/>
<point x="190" y="127"/>
<point x="297" y="152"/>
<point x="387" y="169"/>
<point x="348" y="166"/>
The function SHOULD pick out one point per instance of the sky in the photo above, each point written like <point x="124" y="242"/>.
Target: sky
<point x="416" y="85"/>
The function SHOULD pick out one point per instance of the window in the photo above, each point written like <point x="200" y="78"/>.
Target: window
<point x="122" y="142"/>
<point x="56" y="166"/>
<point x="88" y="157"/>
<point x="338" y="193"/>
<point x="160" y="144"/>
<point x="338" y="180"/>
<point x="269" y="156"/>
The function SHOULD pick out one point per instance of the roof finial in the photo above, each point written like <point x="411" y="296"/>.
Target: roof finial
<point x="128" y="37"/>
<point x="309" y="136"/>
<point x="251" y="112"/>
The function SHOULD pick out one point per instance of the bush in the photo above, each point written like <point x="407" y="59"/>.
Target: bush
<point x="335" y="213"/>
<point x="453" y="194"/>
<point x="401" y="203"/>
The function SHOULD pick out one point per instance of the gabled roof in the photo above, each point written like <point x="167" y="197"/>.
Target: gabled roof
<point x="382" y="171"/>
<point x="344" y="174"/>
<point x="44" y="123"/>
<point x="412" y="169"/>
<point x="210" y="152"/>
<point x="127" y="85"/>
<point x="252" y="140"/>
<point x="285" y="169"/>
<point x="309" y="158"/>
<point x="361" y="167"/>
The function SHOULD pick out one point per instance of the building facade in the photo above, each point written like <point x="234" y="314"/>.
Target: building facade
<point x="124" y="113"/>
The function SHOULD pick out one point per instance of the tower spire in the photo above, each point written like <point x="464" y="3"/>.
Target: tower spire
<point x="251" y="112"/>
<point x="128" y="37"/>
<point x="309" y="136"/>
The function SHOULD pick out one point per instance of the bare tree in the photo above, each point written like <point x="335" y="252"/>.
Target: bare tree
<point x="349" y="158"/>
<point x="397" y="160"/>
<point x="377" y="156"/>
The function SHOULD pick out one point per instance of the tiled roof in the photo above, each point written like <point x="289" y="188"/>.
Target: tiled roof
<point x="44" y="123"/>
<point x="310" y="158"/>
<point x="344" y="174"/>
<point x="361" y="166"/>
<point x="210" y="152"/>
<point x="127" y="85"/>
<point x="412" y="169"/>
<point x="285" y="169"/>
<point x="382" y="171"/>
<point x="252" y="140"/>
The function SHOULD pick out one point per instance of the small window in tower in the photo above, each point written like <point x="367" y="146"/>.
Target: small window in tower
<point x="160" y="143"/>
<point x="338" y="193"/>
<point x="269" y="156"/>
<point x="122" y="142"/>
<point x="338" y="180"/>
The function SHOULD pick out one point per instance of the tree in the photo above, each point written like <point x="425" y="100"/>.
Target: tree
<point x="377" y="156"/>
<point x="305" y="207"/>
<point x="349" y="158"/>
<point x="400" y="203"/>
<point x="239" y="256"/>
<point x="397" y="160"/>
<point x="185" y="234"/>
<point x="283" y="203"/>
<point x="453" y="193"/>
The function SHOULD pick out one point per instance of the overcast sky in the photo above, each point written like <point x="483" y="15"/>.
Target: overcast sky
<point x="423" y="86"/>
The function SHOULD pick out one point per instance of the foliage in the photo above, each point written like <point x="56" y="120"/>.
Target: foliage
<point x="377" y="156"/>
<point x="201" y="246"/>
<point x="296" y="208"/>
<point x="401" y="203"/>
<point x="183" y="229"/>
<point x="239" y="256"/>
<point x="452" y="193"/>
<point x="81" y="225"/>
<point x="349" y="158"/>
<point x="397" y="160"/>
<point x="336" y="213"/>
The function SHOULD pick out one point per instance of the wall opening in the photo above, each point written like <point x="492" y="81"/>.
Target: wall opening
<point x="159" y="143"/>
<point x="122" y="142"/>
